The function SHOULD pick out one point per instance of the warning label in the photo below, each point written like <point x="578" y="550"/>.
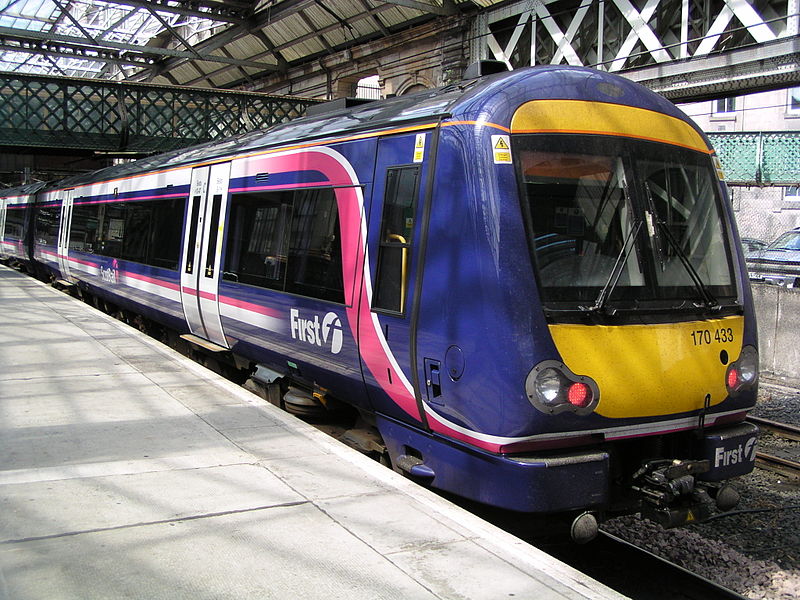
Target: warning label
<point x="419" y="148"/>
<point x="501" y="148"/>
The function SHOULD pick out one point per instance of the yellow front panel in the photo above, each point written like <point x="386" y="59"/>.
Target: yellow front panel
<point x="652" y="370"/>
<point x="580" y="116"/>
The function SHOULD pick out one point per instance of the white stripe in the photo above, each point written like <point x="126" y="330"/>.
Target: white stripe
<point x="151" y="288"/>
<point x="609" y="434"/>
<point x="251" y="317"/>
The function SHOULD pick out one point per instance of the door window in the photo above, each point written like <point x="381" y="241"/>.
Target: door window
<point x="397" y="230"/>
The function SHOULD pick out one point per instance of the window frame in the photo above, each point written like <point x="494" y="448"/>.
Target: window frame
<point x="792" y="96"/>
<point x="727" y="112"/>
<point x="99" y="212"/>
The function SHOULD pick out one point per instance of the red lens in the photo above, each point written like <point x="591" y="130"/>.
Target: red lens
<point x="733" y="378"/>
<point x="579" y="395"/>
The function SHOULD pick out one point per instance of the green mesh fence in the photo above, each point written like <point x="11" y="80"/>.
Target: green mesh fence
<point x="768" y="158"/>
<point x="52" y="112"/>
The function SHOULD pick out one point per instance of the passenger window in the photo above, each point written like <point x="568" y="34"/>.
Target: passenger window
<point x="83" y="231"/>
<point x="165" y="240"/>
<point x="286" y="241"/>
<point x="144" y="231"/>
<point x="47" y="225"/>
<point x="258" y="236"/>
<point x="315" y="251"/>
<point x="397" y="230"/>
<point x="15" y="222"/>
<point x="112" y="230"/>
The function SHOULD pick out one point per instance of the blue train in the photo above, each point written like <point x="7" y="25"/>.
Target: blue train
<point x="529" y="285"/>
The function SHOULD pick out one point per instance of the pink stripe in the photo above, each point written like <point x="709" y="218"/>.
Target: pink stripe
<point x="160" y="282"/>
<point x="81" y="262"/>
<point x="439" y="427"/>
<point x="256" y="308"/>
<point x="194" y="292"/>
<point x="351" y="222"/>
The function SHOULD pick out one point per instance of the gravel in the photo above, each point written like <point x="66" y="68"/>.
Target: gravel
<point x="756" y="554"/>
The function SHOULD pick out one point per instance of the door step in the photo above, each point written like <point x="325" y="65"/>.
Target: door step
<point x="203" y="343"/>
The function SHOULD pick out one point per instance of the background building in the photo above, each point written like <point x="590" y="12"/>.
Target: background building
<point x="763" y="210"/>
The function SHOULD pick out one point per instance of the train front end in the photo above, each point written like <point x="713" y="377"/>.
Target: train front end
<point x="597" y="338"/>
<point x="646" y="301"/>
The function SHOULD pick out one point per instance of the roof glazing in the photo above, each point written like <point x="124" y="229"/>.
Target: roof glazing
<point x="76" y="22"/>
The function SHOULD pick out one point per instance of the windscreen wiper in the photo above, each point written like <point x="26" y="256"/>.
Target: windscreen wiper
<point x="652" y="216"/>
<point x="611" y="284"/>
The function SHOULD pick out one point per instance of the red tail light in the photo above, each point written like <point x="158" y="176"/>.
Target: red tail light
<point x="579" y="395"/>
<point x="733" y="379"/>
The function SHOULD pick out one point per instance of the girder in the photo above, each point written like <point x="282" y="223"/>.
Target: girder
<point x="139" y="54"/>
<point x="690" y="49"/>
<point x="102" y="116"/>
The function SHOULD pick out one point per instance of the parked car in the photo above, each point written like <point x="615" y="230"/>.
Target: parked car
<point x="779" y="262"/>
<point x="752" y="244"/>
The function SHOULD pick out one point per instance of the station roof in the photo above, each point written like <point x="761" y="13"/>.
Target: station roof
<point x="207" y="43"/>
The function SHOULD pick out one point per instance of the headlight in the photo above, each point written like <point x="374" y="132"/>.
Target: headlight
<point x="744" y="372"/>
<point x="552" y="388"/>
<point x="548" y="386"/>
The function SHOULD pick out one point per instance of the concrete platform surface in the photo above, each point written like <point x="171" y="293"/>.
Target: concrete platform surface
<point x="128" y="471"/>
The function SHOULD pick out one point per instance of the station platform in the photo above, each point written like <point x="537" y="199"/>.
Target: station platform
<point x="129" y="471"/>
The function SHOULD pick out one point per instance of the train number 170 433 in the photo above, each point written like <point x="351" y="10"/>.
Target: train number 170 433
<point x="722" y="335"/>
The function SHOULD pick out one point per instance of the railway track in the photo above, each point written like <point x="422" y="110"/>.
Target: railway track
<point x="777" y="464"/>
<point x="771" y="462"/>
<point x="784" y="430"/>
<point x="637" y="573"/>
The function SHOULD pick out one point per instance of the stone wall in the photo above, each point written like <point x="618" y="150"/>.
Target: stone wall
<point x="778" y="315"/>
<point x="426" y="56"/>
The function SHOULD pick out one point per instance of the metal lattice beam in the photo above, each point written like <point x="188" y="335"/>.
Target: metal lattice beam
<point x="227" y="12"/>
<point x="133" y="52"/>
<point x="254" y="23"/>
<point x="103" y="116"/>
<point x="687" y="49"/>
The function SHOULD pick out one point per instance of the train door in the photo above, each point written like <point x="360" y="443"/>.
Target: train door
<point x="64" y="228"/>
<point x="393" y="238"/>
<point x="3" y="203"/>
<point x="202" y="251"/>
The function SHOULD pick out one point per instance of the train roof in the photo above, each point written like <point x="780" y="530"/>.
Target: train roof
<point x="373" y="116"/>
<point x="22" y="190"/>
<point x="466" y="100"/>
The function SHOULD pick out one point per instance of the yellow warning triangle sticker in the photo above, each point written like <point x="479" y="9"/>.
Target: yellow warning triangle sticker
<point x="501" y="144"/>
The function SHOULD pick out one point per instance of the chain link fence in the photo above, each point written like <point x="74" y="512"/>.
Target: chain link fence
<point x="759" y="158"/>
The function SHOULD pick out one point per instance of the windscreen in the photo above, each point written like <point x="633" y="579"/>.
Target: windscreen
<point x="617" y="221"/>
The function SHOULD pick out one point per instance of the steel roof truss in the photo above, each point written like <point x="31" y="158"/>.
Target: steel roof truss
<point x="142" y="51"/>
<point x="641" y="30"/>
<point x="216" y="12"/>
